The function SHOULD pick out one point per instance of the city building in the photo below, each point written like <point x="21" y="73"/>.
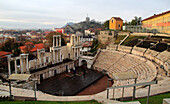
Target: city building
<point x="58" y="55"/>
<point x="60" y="30"/>
<point x="89" y="32"/>
<point x="160" y="22"/>
<point x="86" y="47"/>
<point x="31" y="47"/>
<point x="4" y="55"/>
<point x="106" y="36"/>
<point x="85" y="38"/>
<point x="115" y="23"/>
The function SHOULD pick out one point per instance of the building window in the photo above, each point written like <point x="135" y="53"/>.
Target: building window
<point x="112" y="21"/>
<point x="69" y="55"/>
<point x="110" y="33"/>
<point x="119" y="25"/>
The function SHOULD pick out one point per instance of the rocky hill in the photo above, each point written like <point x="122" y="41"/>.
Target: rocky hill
<point x="81" y="26"/>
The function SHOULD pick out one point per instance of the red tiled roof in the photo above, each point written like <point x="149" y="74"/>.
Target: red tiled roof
<point x="87" y="44"/>
<point x="29" y="43"/>
<point x="3" y="56"/>
<point x="3" y="53"/>
<point x="37" y="46"/>
<point x="156" y="15"/>
<point x="117" y="18"/>
<point x="22" y="47"/>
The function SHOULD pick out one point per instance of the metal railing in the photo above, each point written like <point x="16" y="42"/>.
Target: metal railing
<point x="132" y="85"/>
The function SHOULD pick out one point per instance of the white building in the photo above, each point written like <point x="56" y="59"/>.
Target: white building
<point x="86" y="38"/>
<point x="86" y="47"/>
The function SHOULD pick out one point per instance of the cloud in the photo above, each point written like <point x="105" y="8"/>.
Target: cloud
<point x="48" y="23"/>
<point x="13" y="20"/>
<point x="59" y="12"/>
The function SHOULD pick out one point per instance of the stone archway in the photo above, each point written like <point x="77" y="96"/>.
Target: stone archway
<point x="84" y="64"/>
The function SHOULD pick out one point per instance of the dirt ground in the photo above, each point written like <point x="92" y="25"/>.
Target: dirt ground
<point x="97" y="87"/>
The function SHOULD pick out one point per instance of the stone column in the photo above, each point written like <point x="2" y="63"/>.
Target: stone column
<point x="73" y="52"/>
<point x="60" y="55"/>
<point x="39" y="79"/>
<point x="50" y="49"/>
<point x="53" y="41"/>
<point x="78" y="39"/>
<point x="44" y="75"/>
<point x="57" y="55"/>
<point x="9" y="67"/>
<point x="77" y="53"/>
<point x="74" y="41"/>
<point x="44" y="61"/>
<point x="53" y="55"/>
<point x="15" y="66"/>
<point x="57" y="41"/>
<point x="21" y="66"/>
<point x="27" y="64"/>
<point x="40" y="60"/>
<point x="60" y="41"/>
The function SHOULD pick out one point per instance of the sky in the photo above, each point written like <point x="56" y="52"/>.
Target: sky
<point x="46" y="14"/>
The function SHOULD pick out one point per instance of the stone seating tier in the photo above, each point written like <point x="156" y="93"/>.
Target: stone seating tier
<point x="117" y="62"/>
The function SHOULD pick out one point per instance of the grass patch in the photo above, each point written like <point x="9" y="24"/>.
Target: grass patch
<point x="132" y="37"/>
<point x="121" y="37"/>
<point x="49" y="102"/>
<point x="158" y="99"/>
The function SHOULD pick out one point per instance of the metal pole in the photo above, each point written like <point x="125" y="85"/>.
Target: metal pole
<point x="107" y="89"/>
<point x="134" y="90"/>
<point x="107" y="93"/>
<point x="10" y="91"/>
<point x="113" y="92"/>
<point x="122" y="93"/>
<point x="148" y="94"/>
<point x="35" y="87"/>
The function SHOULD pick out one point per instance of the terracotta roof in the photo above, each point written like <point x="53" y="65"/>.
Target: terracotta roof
<point x="3" y="53"/>
<point x="37" y="46"/>
<point x="22" y="47"/>
<point x="3" y="56"/>
<point x="156" y="15"/>
<point x="29" y="43"/>
<point x="117" y="18"/>
<point x="87" y="44"/>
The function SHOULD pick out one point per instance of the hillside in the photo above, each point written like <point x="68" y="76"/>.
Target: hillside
<point x="81" y="26"/>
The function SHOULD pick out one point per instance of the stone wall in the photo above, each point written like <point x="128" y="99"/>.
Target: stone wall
<point x="106" y="36"/>
<point x="161" y="58"/>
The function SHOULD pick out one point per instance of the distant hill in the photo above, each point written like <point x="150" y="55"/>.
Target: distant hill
<point x="69" y="23"/>
<point x="81" y="26"/>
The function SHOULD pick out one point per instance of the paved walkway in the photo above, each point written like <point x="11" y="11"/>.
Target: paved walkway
<point x="144" y="34"/>
<point x="162" y="86"/>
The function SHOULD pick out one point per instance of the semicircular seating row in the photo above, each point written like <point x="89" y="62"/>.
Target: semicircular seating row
<point x="161" y="58"/>
<point x="117" y="62"/>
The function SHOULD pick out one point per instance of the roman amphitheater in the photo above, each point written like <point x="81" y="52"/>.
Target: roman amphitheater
<point x="144" y="65"/>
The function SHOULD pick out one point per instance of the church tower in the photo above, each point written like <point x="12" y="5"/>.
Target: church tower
<point x="87" y="19"/>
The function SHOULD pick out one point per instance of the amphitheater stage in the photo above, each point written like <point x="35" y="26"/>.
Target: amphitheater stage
<point x="66" y="84"/>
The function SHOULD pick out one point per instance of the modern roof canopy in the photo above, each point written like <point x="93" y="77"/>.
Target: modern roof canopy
<point x="23" y="77"/>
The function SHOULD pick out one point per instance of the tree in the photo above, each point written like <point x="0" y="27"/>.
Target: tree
<point x="136" y="21"/>
<point x="16" y="50"/>
<point x="49" y="37"/>
<point x="10" y="45"/>
<point x="106" y="24"/>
